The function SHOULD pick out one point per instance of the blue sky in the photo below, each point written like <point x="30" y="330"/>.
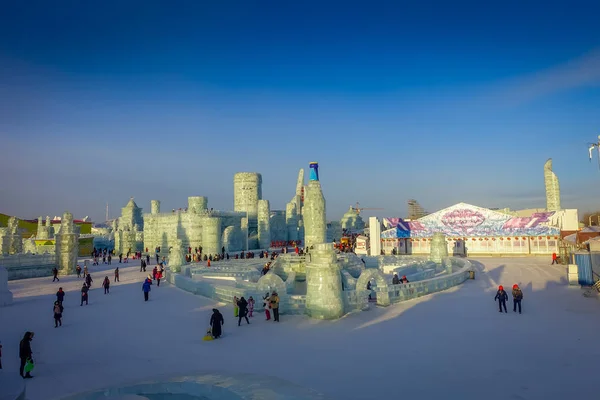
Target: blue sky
<point x="439" y="101"/>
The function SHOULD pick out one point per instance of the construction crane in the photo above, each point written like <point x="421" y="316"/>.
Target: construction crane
<point x="358" y="208"/>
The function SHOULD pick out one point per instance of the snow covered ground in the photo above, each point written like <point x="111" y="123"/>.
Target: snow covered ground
<point x="453" y="344"/>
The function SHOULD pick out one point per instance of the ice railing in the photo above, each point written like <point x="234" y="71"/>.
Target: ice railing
<point x="401" y="292"/>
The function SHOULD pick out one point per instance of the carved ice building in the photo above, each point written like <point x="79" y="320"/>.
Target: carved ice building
<point x="128" y="230"/>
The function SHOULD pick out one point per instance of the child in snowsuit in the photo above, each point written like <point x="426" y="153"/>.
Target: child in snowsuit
<point x="236" y="308"/>
<point x="146" y="288"/>
<point x="501" y="296"/>
<point x="517" y="297"/>
<point x="250" y="306"/>
<point x="58" y="310"/>
<point x="106" y="285"/>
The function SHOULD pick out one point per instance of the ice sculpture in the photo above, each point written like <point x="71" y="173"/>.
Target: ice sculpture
<point x="552" y="187"/>
<point x="264" y="230"/>
<point x="439" y="248"/>
<point x="176" y="256"/>
<point x="324" y="284"/>
<point x="315" y="225"/>
<point x="67" y="245"/>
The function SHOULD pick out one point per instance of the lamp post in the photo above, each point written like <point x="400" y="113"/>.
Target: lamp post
<point x="247" y="229"/>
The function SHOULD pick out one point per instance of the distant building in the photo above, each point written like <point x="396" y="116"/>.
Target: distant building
<point x="415" y="210"/>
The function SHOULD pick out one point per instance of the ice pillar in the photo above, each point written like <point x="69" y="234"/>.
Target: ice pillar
<point x="324" y="284"/>
<point x="264" y="229"/>
<point x="315" y="224"/>
<point x="67" y="245"/>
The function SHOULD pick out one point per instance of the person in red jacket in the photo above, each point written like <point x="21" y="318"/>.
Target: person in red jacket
<point x="158" y="276"/>
<point x="554" y="259"/>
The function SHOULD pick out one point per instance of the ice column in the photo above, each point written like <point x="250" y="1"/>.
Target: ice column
<point x="154" y="206"/>
<point x="439" y="248"/>
<point x="264" y="229"/>
<point x="291" y="221"/>
<point x="197" y="204"/>
<point x="67" y="245"/>
<point x="375" y="236"/>
<point x="211" y="236"/>
<point x="315" y="224"/>
<point x="176" y="256"/>
<point x="324" y="283"/>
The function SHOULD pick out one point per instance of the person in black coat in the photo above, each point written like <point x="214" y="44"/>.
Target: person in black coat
<point x="58" y="310"/>
<point x="216" y="320"/>
<point x="502" y="297"/>
<point x="243" y="313"/>
<point x="25" y="353"/>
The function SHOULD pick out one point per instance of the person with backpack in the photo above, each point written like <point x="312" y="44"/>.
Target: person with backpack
<point x="517" y="297"/>
<point x="106" y="285"/>
<point x="58" y="310"/>
<point x="502" y="297"/>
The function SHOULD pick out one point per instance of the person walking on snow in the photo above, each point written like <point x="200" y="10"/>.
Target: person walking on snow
<point x="517" y="297"/>
<point x="106" y="285"/>
<point x="58" y="310"/>
<point x="216" y="321"/>
<point x="502" y="297"/>
<point x="117" y="274"/>
<point x="146" y="288"/>
<point x="25" y="353"/>
<point x="60" y="296"/>
<point x="554" y="259"/>
<point x="85" y="271"/>
<point x="55" y="273"/>
<point x="84" y="294"/>
<point x="158" y="277"/>
<point x="250" y="306"/>
<point x="243" y="312"/>
<point x="78" y="270"/>
<point x="88" y="280"/>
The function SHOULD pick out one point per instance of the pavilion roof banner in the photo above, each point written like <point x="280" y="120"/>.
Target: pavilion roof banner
<point x="466" y="220"/>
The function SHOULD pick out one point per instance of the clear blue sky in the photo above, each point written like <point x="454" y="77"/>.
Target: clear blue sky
<point x="439" y="101"/>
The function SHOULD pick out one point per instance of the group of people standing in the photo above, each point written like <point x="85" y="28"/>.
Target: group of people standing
<point x="242" y="309"/>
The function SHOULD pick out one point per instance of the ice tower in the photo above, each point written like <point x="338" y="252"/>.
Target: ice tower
<point x="315" y="225"/>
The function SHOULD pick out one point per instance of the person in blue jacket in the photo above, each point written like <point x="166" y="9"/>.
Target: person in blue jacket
<point x="146" y="288"/>
<point x="502" y="297"/>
